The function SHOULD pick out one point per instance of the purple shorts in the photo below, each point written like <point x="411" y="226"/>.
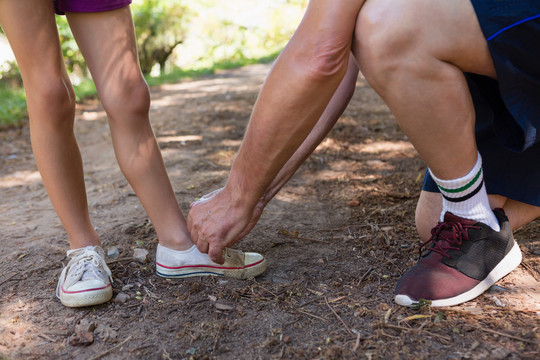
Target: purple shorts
<point x="61" y="6"/>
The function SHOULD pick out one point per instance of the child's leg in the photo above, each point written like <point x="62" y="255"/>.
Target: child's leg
<point x="31" y="30"/>
<point x="107" y="41"/>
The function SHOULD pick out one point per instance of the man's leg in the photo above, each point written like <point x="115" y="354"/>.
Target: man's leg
<point x="31" y="30"/>
<point x="416" y="63"/>
<point x="414" y="54"/>
<point x="430" y="206"/>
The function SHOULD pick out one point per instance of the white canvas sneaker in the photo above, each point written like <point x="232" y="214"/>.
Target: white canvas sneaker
<point x="86" y="280"/>
<point x="180" y="264"/>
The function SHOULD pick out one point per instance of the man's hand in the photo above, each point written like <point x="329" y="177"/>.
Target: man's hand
<point x="215" y="223"/>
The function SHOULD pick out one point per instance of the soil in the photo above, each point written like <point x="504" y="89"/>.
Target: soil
<point x="336" y="238"/>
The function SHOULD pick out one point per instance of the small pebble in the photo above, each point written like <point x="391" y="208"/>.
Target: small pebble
<point x="140" y="255"/>
<point x="121" y="298"/>
<point x="113" y="252"/>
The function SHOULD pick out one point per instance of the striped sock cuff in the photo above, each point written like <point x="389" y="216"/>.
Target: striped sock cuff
<point x="461" y="189"/>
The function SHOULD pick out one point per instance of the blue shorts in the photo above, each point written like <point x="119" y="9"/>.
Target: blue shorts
<point x="508" y="109"/>
<point x="512" y="30"/>
<point x="507" y="173"/>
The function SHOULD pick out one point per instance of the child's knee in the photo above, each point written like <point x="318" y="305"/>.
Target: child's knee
<point x="127" y="100"/>
<point x="52" y="99"/>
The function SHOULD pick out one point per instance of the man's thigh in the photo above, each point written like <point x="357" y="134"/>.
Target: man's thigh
<point x="447" y="30"/>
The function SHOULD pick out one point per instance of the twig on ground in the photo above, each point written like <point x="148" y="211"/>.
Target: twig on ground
<point x="46" y="337"/>
<point x="315" y="316"/>
<point x="337" y="299"/>
<point x="364" y="276"/>
<point x="530" y="270"/>
<point x="217" y="338"/>
<point x="356" y="225"/>
<point x="23" y="275"/>
<point x="112" y="349"/>
<point x="8" y="279"/>
<point x="310" y="301"/>
<point x="505" y="335"/>
<point x="265" y="289"/>
<point x="356" y="343"/>
<point x="402" y="328"/>
<point x="307" y="239"/>
<point x="340" y="319"/>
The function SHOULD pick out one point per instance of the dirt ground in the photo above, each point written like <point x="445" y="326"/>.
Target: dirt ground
<point x="336" y="238"/>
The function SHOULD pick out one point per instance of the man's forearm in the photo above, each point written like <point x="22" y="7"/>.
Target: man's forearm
<point x="331" y="114"/>
<point x="294" y="96"/>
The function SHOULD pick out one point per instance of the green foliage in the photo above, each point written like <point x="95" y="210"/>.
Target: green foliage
<point x="186" y="38"/>
<point x="73" y="58"/>
<point x="12" y="105"/>
<point x="160" y="26"/>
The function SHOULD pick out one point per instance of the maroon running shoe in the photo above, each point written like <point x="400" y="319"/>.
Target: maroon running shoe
<point x="464" y="259"/>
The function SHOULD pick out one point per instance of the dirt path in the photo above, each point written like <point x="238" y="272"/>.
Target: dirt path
<point x="337" y="238"/>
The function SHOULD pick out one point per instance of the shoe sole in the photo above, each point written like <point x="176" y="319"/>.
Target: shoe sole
<point x="246" y="272"/>
<point x="86" y="298"/>
<point x="507" y="264"/>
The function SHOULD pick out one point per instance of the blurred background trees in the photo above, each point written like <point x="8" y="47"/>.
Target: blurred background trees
<point x="175" y="38"/>
<point x="160" y="25"/>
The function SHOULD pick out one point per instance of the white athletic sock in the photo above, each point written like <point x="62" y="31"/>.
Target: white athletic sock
<point x="466" y="197"/>
<point x="192" y="256"/>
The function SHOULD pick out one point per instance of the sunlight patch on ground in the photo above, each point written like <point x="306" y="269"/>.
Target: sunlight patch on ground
<point x="204" y="86"/>
<point x="231" y="143"/>
<point x="12" y="326"/>
<point x="92" y="115"/>
<point x="183" y="139"/>
<point x="290" y="197"/>
<point x="20" y="178"/>
<point x="329" y="143"/>
<point x="386" y="146"/>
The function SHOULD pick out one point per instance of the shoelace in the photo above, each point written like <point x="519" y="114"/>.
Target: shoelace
<point x="447" y="236"/>
<point x="80" y="260"/>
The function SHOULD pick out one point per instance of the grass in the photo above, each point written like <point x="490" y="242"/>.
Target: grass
<point x="13" y="100"/>
<point x="179" y="74"/>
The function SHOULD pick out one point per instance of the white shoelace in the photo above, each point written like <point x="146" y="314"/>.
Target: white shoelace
<point x="85" y="264"/>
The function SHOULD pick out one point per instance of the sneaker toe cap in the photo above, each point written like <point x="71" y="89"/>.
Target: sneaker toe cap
<point x="432" y="283"/>
<point x="87" y="285"/>
<point x="252" y="258"/>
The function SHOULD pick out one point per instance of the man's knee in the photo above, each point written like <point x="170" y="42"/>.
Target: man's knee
<point x="387" y="36"/>
<point x="407" y="36"/>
